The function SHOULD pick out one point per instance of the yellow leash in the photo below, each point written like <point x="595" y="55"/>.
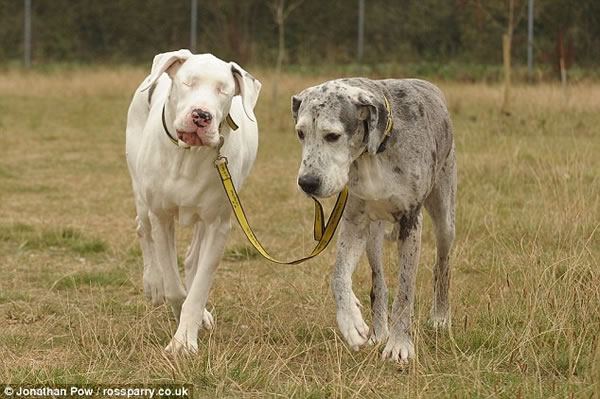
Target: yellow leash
<point x="322" y="235"/>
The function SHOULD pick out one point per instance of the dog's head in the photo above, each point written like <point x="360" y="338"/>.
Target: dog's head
<point x="335" y="123"/>
<point x="203" y="87"/>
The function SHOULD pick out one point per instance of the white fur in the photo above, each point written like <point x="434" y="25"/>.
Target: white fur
<point x="171" y="182"/>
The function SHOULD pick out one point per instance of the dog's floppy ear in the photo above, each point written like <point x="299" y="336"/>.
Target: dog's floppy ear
<point x="248" y="87"/>
<point x="373" y="110"/>
<point x="296" y="102"/>
<point x="166" y="62"/>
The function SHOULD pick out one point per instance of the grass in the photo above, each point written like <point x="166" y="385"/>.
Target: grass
<point x="65" y="239"/>
<point x="526" y="279"/>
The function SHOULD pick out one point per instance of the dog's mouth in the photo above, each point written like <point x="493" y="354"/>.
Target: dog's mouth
<point x="201" y="136"/>
<point x="191" y="138"/>
<point x="198" y="133"/>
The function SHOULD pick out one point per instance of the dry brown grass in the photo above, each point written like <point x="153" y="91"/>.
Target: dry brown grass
<point x="526" y="281"/>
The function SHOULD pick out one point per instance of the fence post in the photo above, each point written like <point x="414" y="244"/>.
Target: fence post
<point x="194" y="24"/>
<point x="27" y="35"/>
<point x="530" y="42"/>
<point x="361" y="30"/>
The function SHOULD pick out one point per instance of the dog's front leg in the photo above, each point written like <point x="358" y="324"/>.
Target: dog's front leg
<point x="400" y="346"/>
<point x="163" y="235"/>
<point x="350" y="246"/>
<point x="379" y="291"/>
<point x="193" y="313"/>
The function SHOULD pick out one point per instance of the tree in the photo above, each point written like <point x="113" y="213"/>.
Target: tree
<point x="280" y="14"/>
<point x="507" y="40"/>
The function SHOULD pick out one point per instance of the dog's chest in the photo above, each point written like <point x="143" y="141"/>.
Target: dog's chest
<point x="189" y="186"/>
<point x="381" y="210"/>
<point x="385" y="191"/>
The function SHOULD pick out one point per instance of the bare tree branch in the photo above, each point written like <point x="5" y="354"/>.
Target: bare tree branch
<point x="498" y="22"/>
<point x="522" y="14"/>
<point x="292" y="7"/>
<point x="278" y="7"/>
<point x="489" y="15"/>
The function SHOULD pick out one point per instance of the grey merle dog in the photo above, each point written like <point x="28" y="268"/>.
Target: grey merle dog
<point x="391" y="142"/>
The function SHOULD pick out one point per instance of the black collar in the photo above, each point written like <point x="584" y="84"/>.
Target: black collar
<point x="164" y="122"/>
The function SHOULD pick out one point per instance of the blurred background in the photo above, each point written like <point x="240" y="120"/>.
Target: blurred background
<point x="454" y="39"/>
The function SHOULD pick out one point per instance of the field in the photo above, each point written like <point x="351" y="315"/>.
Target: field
<point x="526" y="276"/>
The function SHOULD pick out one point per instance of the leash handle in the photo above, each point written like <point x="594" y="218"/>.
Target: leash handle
<point x="322" y="235"/>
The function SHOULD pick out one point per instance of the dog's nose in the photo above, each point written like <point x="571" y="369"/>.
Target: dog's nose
<point x="201" y="117"/>
<point x="309" y="183"/>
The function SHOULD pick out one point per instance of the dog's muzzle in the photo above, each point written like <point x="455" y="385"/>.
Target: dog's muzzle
<point x="200" y="132"/>
<point x="309" y="184"/>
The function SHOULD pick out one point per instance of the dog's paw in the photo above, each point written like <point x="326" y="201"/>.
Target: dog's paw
<point x="208" y="322"/>
<point x="378" y="335"/>
<point x="439" y="320"/>
<point x="352" y="326"/>
<point x="399" y="349"/>
<point x="181" y="346"/>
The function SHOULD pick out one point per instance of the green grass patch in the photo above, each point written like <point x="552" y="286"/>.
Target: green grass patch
<point x="5" y="173"/>
<point x="240" y="253"/>
<point x="15" y="232"/>
<point x="7" y="296"/>
<point x="104" y="278"/>
<point x="69" y="239"/>
<point x="27" y="237"/>
<point x="133" y="255"/>
<point x="16" y="341"/>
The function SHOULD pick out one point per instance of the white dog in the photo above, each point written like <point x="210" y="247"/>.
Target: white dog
<point x="173" y="126"/>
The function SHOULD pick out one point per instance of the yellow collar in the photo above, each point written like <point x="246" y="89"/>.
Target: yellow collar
<point x="389" y="125"/>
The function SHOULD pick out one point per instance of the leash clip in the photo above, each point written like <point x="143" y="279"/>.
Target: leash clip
<point x="220" y="159"/>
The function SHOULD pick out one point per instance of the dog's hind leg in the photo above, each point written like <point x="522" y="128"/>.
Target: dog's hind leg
<point x="441" y="206"/>
<point x="192" y="255"/>
<point x="379" y="292"/>
<point x="163" y="237"/>
<point x="400" y="346"/>
<point x="153" y="280"/>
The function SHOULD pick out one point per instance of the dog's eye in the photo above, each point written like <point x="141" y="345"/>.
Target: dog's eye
<point x="187" y="84"/>
<point x="332" y="137"/>
<point x="221" y="90"/>
<point x="300" y="134"/>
